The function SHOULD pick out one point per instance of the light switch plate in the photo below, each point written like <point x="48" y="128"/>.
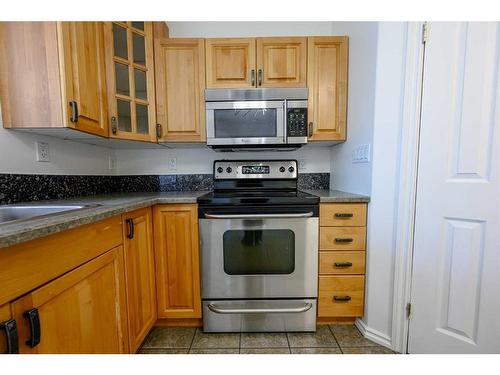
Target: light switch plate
<point x="42" y="151"/>
<point x="361" y="154"/>
<point x="302" y="164"/>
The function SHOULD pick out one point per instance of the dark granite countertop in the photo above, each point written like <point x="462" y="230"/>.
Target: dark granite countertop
<point x="337" y="196"/>
<point x="108" y="205"/>
<point x="115" y="204"/>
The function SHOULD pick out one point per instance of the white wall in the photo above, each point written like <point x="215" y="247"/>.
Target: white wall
<point x="345" y="175"/>
<point x="200" y="160"/>
<point x="382" y="211"/>
<point x="17" y="155"/>
<point x="246" y="29"/>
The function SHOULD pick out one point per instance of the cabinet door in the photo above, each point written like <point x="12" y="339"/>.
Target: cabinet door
<point x="130" y="80"/>
<point x="177" y="261"/>
<point x="327" y="82"/>
<point x="231" y="63"/>
<point x="84" y="76"/>
<point x="82" y="311"/>
<point x="180" y="89"/>
<point x="139" y="275"/>
<point x="5" y="317"/>
<point x="281" y="62"/>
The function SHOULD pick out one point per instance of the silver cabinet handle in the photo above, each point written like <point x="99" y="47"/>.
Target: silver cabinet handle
<point x="310" y="129"/>
<point x="252" y="75"/>
<point x="260" y="77"/>
<point x="221" y="310"/>
<point x="259" y="216"/>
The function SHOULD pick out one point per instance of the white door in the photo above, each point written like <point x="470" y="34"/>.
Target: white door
<point x="456" y="270"/>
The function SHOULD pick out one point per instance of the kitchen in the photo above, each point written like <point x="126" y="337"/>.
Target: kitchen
<point x="243" y="188"/>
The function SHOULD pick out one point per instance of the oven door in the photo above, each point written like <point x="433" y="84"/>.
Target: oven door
<point x="245" y="123"/>
<point x="259" y="256"/>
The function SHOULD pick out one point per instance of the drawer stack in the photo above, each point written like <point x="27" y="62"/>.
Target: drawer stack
<point x="342" y="242"/>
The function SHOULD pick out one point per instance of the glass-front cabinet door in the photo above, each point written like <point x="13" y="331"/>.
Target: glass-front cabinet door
<point x="130" y="80"/>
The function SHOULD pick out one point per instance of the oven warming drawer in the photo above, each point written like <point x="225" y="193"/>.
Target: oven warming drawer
<point x="285" y="315"/>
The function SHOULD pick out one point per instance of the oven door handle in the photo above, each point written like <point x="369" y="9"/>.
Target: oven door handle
<point x="299" y="309"/>
<point x="260" y="216"/>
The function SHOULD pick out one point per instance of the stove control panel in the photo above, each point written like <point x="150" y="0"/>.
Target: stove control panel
<point x="256" y="169"/>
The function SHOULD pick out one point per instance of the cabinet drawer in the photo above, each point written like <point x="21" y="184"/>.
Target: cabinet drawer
<point x="341" y="296"/>
<point x="342" y="262"/>
<point x="347" y="238"/>
<point x="342" y="215"/>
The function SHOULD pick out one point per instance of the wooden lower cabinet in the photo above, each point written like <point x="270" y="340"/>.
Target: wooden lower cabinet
<point x="177" y="261"/>
<point x="342" y="262"/>
<point x="341" y="296"/>
<point x="5" y="317"/>
<point x="82" y="311"/>
<point x="139" y="274"/>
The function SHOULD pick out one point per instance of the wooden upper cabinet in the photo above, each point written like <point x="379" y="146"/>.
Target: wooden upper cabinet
<point x="53" y="76"/>
<point x="180" y="89"/>
<point x="84" y="76"/>
<point x="177" y="261"/>
<point x="327" y="82"/>
<point x="139" y="274"/>
<point x="82" y="311"/>
<point x="130" y="80"/>
<point x="281" y="62"/>
<point x="230" y="62"/>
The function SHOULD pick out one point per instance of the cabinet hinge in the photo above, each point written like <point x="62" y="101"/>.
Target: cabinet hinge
<point x="158" y="130"/>
<point x="425" y="32"/>
<point x="408" y="310"/>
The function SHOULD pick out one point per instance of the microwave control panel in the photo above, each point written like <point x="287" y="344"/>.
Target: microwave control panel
<point x="296" y="122"/>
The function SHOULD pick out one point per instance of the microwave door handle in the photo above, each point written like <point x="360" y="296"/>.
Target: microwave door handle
<point x="259" y="216"/>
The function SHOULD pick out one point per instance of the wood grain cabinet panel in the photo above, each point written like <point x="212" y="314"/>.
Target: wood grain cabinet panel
<point x="82" y="311"/>
<point x="139" y="274"/>
<point x="342" y="238"/>
<point x="341" y="262"/>
<point x="281" y="62"/>
<point x="230" y="62"/>
<point x="4" y="317"/>
<point x="341" y="296"/>
<point x="47" y="66"/>
<point x="342" y="214"/>
<point x="28" y="265"/>
<point x="84" y="75"/>
<point x="177" y="261"/>
<point x="327" y="82"/>
<point x="180" y="89"/>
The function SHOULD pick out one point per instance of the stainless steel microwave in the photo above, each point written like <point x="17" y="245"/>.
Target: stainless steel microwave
<point x="252" y="119"/>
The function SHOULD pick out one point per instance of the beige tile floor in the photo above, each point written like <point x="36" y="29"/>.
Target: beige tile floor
<point x="332" y="339"/>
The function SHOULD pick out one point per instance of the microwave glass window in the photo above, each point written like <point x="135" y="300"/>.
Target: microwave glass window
<point x="259" y="252"/>
<point x="245" y="123"/>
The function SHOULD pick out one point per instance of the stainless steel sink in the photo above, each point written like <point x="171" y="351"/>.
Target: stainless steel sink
<point x="12" y="213"/>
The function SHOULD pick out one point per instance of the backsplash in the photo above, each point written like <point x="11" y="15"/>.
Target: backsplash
<point x="25" y="187"/>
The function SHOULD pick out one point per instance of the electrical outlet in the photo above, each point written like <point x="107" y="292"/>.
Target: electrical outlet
<point x="172" y="164"/>
<point x="42" y="151"/>
<point x="302" y="164"/>
<point x="111" y="163"/>
<point x="361" y="154"/>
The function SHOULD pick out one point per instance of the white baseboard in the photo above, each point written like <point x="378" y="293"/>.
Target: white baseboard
<point x="373" y="335"/>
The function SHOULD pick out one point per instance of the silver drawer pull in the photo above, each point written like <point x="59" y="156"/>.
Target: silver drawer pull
<point x="259" y="216"/>
<point x="341" y="298"/>
<point x="223" y="310"/>
<point x="341" y="214"/>
<point x="343" y="264"/>
<point x="343" y="240"/>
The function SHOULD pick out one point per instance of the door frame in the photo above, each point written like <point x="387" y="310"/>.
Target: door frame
<point x="407" y="183"/>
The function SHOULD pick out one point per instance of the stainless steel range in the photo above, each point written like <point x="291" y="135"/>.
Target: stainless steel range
<point x="259" y="251"/>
